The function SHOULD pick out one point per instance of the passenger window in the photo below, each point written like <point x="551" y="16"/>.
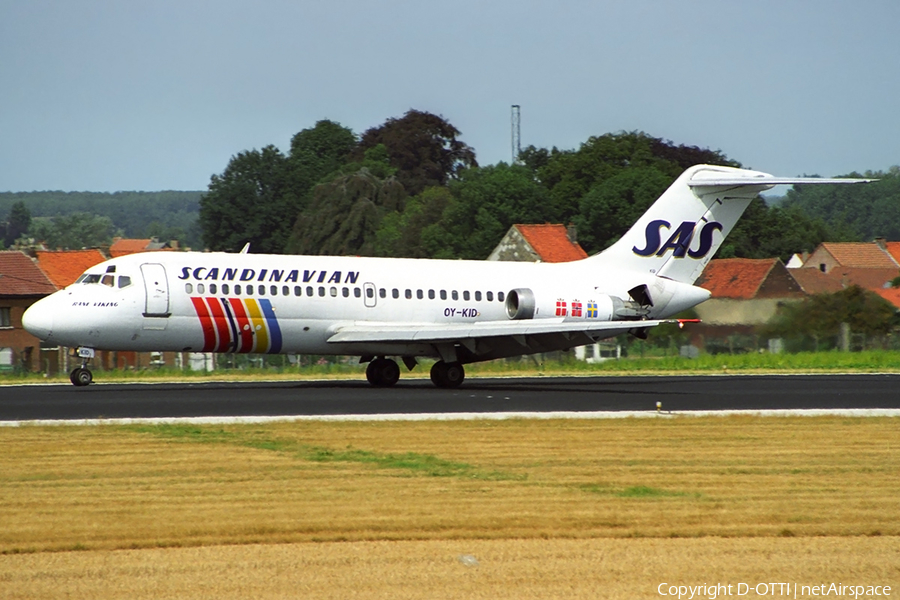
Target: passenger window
<point x="225" y="289"/>
<point x="443" y="294"/>
<point x="382" y="293"/>
<point x="357" y="293"/>
<point x="212" y="288"/>
<point x="298" y="291"/>
<point x="490" y="296"/>
<point x="420" y="294"/>
<point x="345" y="292"/>
<point x="409" y="294"/>
<point x="189" y="288"/>
<point x="333" y="292"/>
<point x="431" y="294"/>
<point x="201" y="288"/>
<point x="285" y="290"/>
<point x="500" y="296"/>
<point x="237" y="290"/>
<point x="454" y="294"/>
<point x="262" y="290"/>
<point x="273" y="290"/>
<point x="124" y="281"/>
<point x="395" y="293"/>
<point x="478" y="296"/>
<point x="321" y="291"/>
<point x="466" y="295"/>
<point x="370" y="293"/>
<point x="309" y="290"/>
<point x="249" y="290"/>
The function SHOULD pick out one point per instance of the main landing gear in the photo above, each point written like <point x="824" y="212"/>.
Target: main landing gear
<point x="384" y="372"/>
<point x="447" y="375"/>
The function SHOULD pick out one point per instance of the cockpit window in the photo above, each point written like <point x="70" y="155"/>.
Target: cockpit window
<point x="90" y="278"/>
<point x="124" y="281"/>
<point x="108" y="280"/>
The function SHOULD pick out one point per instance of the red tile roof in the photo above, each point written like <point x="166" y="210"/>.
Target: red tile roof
<point x="64" y="266"/>
<point x="814" y="281"/>
<point x="19" y="276"/>
<point x="737" y="278"/>
<point x="122" y="247"/>
<point x="551" y="242"/>
<point x="892" y="295"/>
<point x="893" y="248"/>
<point x="868" y="255"/>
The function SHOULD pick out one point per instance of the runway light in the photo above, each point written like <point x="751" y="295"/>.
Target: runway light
<point x="658" y="406"/>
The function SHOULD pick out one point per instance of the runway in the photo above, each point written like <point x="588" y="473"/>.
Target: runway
<point x="479" y="396"/>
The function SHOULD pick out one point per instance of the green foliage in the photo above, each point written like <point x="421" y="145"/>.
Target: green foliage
<point x="344" y="215"/>
<point x="73" y="232"/>
<point x="765" y="232"/>
<point x="487" y="201"/>
<point x="317" y="153"/>
<point x="416" y="231"/>
<point x="422" y="147"/>
<point x="251" y="201"/>
<point x="862" y="211"/>
<point x="821" y="315"/>
<point x="130" y="212"/>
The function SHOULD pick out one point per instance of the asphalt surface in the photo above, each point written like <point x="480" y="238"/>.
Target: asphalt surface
<point x="62" y="402"/>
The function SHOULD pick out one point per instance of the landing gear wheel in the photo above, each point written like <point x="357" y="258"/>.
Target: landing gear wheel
<point x="81" y="376"/>
<point x="383" y="372"/>
<point x="447" y="375"/>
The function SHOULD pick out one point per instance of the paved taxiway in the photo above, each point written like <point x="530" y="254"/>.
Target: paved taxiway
<point x="543" y="394"/>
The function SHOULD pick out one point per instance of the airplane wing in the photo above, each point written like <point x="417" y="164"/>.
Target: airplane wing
<point x="460" y="332"/>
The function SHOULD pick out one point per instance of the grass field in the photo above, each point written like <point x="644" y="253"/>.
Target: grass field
<point x="393" y="505"/>
<point x="804" y="362"/>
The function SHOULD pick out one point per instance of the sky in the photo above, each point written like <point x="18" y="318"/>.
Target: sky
<point x="117" y="96"/>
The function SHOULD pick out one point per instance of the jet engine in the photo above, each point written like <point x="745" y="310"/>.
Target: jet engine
<point x="574" y="305"/>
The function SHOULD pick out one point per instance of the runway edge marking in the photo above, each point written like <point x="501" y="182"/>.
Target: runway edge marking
<point x="463" y="416"/>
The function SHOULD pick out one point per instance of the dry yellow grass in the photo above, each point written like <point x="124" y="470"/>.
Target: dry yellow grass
<point x="538" y="502"/>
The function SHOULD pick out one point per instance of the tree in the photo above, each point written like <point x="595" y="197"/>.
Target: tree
<point x="17" y="224"/>
<point x="252" y="201"/>
<point x="487" y="201"/>
<point x="73" y="232"/>
<point x="344" y="214"/>
<point x="422" y="147"/>
<point x="318" y="152"/>
<point x="820" y="316"/>
<point x="408" y="233"/>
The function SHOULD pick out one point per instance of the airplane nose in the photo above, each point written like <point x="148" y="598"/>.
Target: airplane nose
<point x="38" y="320"/>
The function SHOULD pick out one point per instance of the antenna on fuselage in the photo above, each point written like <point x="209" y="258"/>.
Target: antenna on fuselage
<point x="245" y="249"/>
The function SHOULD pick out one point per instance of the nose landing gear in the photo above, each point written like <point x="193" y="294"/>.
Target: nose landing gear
<point x="82" y="376"/>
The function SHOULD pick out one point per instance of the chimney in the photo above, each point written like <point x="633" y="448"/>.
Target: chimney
<point x="882" y="243"/>
<point x="572" y="233"/>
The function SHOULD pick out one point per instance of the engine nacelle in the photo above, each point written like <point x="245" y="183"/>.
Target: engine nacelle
<point x="522" y="303"/>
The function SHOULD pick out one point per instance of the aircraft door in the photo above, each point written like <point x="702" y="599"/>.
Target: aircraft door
<point x="369" y="296"/>
<point x="156" y="290"/>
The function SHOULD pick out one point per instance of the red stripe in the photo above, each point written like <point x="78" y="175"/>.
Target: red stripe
<point x="209" y="334"/>
<point x="221" y="322"/>
<point x="244" y="326"/>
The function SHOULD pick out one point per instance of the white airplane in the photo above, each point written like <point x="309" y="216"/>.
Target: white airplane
<point x="456" y="311"/>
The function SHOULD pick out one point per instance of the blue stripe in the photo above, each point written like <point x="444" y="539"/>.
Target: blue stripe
<point x="274" y="329"/>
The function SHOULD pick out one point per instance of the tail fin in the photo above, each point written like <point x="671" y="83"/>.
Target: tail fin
<point x="683" y="229"/>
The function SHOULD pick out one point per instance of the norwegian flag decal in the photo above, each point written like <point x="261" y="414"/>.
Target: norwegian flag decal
<point x="576" y="308"/>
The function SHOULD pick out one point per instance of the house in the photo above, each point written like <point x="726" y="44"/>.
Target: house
<point x="539" y="243"/>
<point x="125" y="246"/>
<point x="851" y="255"/>
<point x="746" y="293"/>
<point x="22" y="284"/>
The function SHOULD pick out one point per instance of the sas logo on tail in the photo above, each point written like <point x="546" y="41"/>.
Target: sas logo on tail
<point x="680" y="240"/>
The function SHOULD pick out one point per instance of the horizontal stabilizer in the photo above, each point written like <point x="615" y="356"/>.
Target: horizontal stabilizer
<point x="767" y="182"/>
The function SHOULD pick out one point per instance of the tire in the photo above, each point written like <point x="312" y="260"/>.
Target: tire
<point x="447" y="375"/>
<point x="383" y="372"/>
<point x="81" y="377"/>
